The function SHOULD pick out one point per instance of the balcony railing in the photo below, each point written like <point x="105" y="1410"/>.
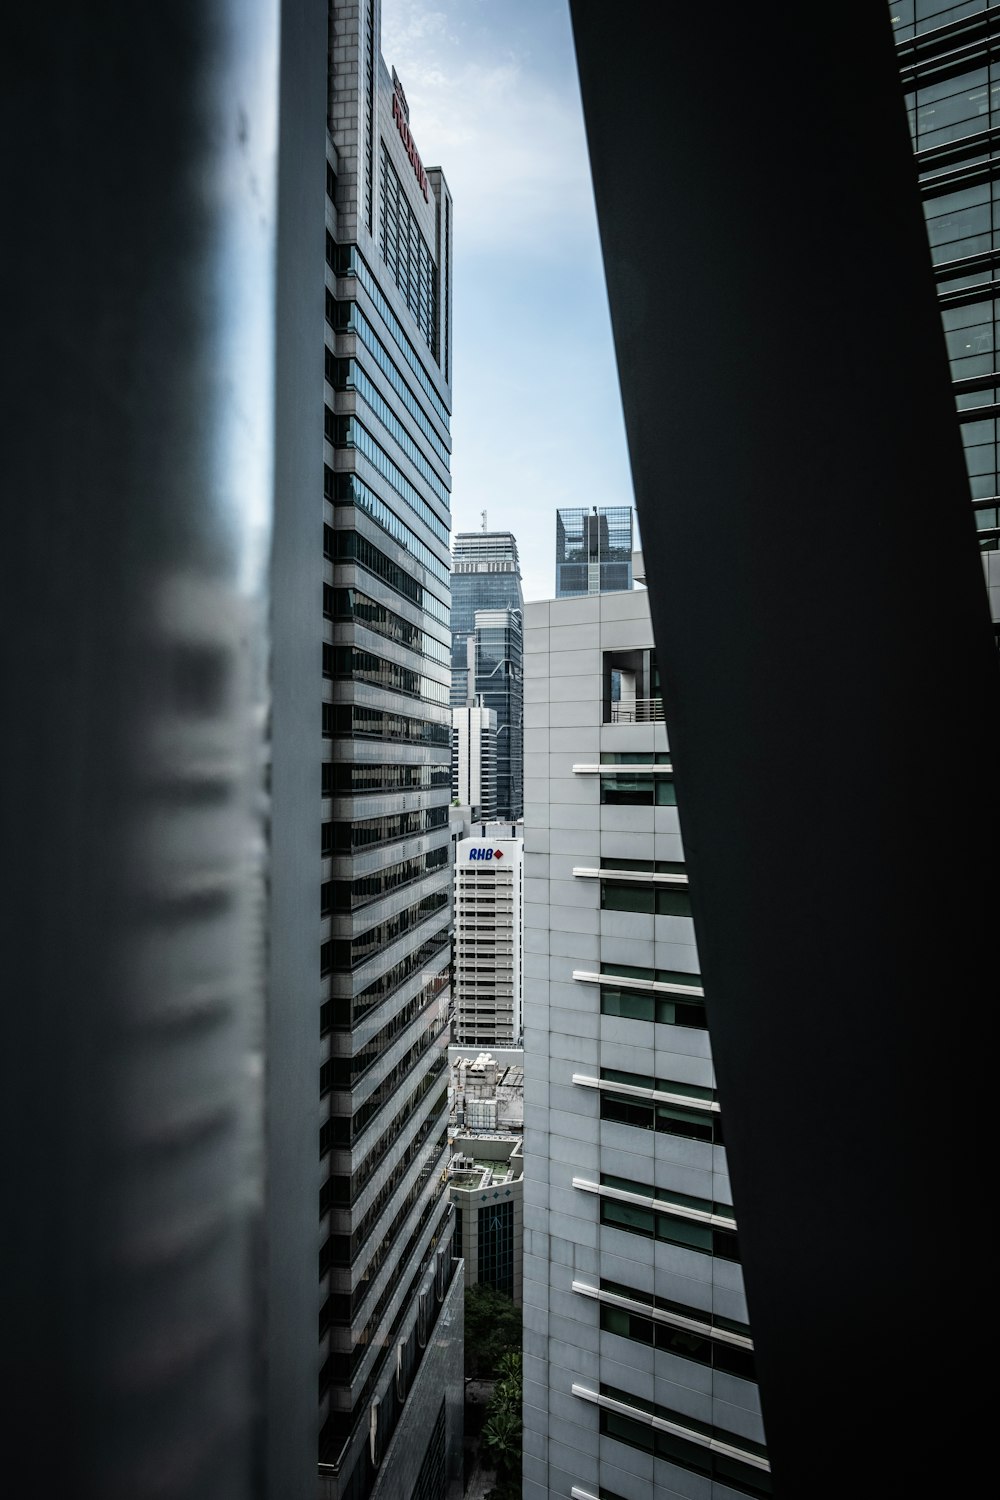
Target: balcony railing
<point x="637" y="711"/>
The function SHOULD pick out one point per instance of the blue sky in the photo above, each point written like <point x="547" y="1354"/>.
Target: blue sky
<point x="494" y="101"/>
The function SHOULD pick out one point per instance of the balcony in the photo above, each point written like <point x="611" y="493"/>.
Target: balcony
<point x="632" y="687"/>
<point x="636" y="711"/>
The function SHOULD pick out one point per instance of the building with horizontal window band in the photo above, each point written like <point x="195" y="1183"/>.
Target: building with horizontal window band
<point x="474" y="760"/>
<point x="489" y="919"/>
<point x="639" y="1373"/>
<point x="361" y="915"/>
<point x="946" y="61"/>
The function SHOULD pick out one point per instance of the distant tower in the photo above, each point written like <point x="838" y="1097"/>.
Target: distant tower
<point x="474" y="760"/>
<point x="489" y="913"/>
<point x="486" y="662"/>
<point x="593" y="550"/>
<point x="499" y="685"/>
<point x="485" y="574"/>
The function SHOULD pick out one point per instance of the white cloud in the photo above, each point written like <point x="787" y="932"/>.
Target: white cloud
<point x="494" y="100"/>
<point x="508" y="135"/>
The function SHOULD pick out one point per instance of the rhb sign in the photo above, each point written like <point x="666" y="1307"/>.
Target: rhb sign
<point x="481" y="853"/>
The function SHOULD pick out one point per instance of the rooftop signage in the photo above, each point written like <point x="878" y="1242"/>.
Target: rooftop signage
<point x="478" y="852"/>
<point x="401" y="115"/>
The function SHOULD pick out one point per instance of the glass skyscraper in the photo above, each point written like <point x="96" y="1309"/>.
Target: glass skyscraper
<point x="951" y="84"/>
<point x="485" y="574"/>
<point x="487" y="611"/>
<point x="499" y="685"/>
<point x="593" y="550"/>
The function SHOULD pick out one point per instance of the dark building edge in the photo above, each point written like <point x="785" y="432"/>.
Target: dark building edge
<point x="294" y="989"/>
<point x="820" y="615"/>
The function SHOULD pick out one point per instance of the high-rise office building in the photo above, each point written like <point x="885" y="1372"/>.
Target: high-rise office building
<point x="498" y="643"/>
<point x="489" y="919"/>
<point x="474" y="760"/>
<point x="593" y="550"/>
<point x="486" y="648"/>
<point x="639" y="1374"/>
<point x="368" y="1295"/>
<point x="485" y="574"/>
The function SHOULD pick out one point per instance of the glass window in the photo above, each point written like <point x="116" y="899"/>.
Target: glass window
<point x="684" y="1232"/>
<point x="637" y="1080"/>
<point x="695" y="1125"/>
<point x="627" y="1216"/>
<point x="672" y="902"/>
<point x="627" y="971"/>
<point x="635" y="1434"/>
<point x="626" y="791"/>
<point x="960" y="223"/>
<point x="680" y="1013"/>
<point x="632" y="1005"/>
<point x="951" y="109"/>
<point x="627" y="897"/>
<point x="930" y="14"/>
<point x="625" y="1111"/>
<point x="969" y="336"/>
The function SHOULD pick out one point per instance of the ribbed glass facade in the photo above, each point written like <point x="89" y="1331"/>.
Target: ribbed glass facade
<point x="499" y="685"/>
<point x="487" y="653"/>
<point x="485" y="574"/>
<point x="951" y="83"/>
<point x="593" y="550"/>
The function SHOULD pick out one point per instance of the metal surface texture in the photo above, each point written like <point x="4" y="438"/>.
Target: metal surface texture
<point x="139" y="191"/>
<point x="821" y="625"/>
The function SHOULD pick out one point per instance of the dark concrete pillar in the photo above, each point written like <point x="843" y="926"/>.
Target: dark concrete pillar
<point x="830" y="682"/>
<point x="139" y="209"/>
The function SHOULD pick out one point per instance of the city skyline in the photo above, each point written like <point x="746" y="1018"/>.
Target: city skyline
<point x="231" y="904"/>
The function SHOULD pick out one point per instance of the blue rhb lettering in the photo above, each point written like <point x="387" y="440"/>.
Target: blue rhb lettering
<point x="480" y="853"/>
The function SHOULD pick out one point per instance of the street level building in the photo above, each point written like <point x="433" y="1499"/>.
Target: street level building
<point x="486" y="1188"/>
<point x="638" y="1368"/>
<point x="365" y="1291"/>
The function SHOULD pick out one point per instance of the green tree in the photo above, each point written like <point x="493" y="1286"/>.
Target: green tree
<point x="502" y="1437"/>
<point x="502" y="1429"/>
<point x="492" y="1329"/>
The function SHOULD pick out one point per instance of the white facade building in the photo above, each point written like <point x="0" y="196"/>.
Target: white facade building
<point x="489" y="917"/>
<point x="638" y="1360"/>
<point x="474" y="759"/>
